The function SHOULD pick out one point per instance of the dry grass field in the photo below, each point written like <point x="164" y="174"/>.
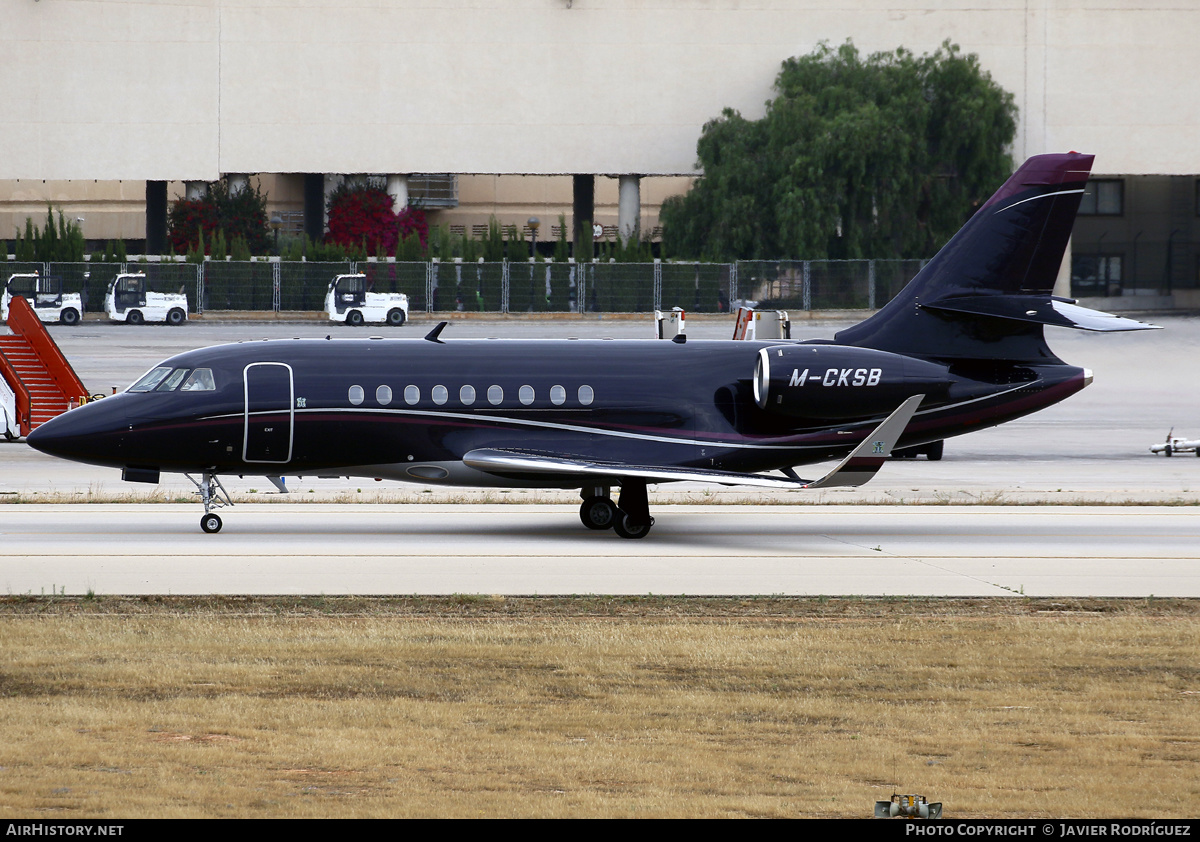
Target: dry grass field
<point x="334" y="707"/>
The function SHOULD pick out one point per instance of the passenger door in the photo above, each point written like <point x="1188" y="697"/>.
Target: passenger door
<point x="270" y="414"/>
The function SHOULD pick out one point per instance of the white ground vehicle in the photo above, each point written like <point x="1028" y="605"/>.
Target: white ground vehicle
<point x="46" y="297"/>
<point x="350" y="300"/>
<point x="128" y="300"/>
<point x="1176" y="444"/>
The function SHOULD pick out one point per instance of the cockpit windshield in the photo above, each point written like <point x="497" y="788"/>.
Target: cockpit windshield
<point x="167" y="379"/>
<point x="171" y="382"/>
<point x="149" y="381"/>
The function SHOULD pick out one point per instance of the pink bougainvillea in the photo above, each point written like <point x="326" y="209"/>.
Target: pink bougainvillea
<point x="361" y="216"/>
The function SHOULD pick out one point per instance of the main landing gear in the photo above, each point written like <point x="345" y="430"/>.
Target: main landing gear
<point x="214" y="496"/>
<point x="630" y="519"/>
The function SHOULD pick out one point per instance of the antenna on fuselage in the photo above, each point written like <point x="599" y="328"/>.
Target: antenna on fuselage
<point x="433" y="335"/>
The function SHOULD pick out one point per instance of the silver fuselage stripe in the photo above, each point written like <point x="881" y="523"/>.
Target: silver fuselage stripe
<point x="597" y="431"/>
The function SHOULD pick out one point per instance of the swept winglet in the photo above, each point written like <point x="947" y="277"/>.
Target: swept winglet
<point x="865" y="460"/>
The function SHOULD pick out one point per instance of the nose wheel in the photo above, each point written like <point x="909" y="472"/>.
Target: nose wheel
<point x="211" y="523"/>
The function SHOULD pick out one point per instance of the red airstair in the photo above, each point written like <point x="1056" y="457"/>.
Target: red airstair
<point x="35" y="369"/>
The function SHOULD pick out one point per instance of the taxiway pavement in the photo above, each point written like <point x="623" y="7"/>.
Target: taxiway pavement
<point x="543" y="549"/>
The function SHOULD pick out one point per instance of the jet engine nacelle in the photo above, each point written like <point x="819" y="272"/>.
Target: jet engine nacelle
<point x="841" y="382"/>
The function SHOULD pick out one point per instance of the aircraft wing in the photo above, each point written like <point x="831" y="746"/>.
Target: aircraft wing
<point x="510" y="462"/>
<point x="856" y="469"/>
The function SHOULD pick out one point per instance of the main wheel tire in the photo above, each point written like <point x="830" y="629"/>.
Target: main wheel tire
<point x="176" y="317"/>
<point x="396" y="318"/>
<point x="354" y="318"/>
<point x="1167" y="450"/>
<point x="8" y="434"/>
<point x="598" y="513"/>
<point x="135" y="317"/>
<point x="211" y="523"/>
<point x="934" y="451"/>
<point x="625" y="529"/>
<point x="70" y="316"/>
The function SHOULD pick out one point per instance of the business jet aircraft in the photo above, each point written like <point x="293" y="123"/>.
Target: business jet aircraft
<point x="959" y="349"/>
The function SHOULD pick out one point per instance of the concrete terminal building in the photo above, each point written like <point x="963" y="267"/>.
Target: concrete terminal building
<point x="590" y="108"/>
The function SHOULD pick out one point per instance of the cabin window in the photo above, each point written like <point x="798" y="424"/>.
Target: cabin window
<point x="525" y="395"/>
<point x="467" y="395"/>
<point x="586" y="395"/>
<point x="411" y="395"/>
<point x="440" y="395"/>
<point x="384" y="395"/>
<point x="558" y="395"/>
<point x="495" y="395"/>
<point x="149" y="381"/>
<point x="200" y="380"/>
<point x="357" y="395"/>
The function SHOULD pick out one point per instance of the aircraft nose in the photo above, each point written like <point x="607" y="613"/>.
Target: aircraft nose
<point x="86" y="434"/>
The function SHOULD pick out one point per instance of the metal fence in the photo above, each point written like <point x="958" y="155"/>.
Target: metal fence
<point x="517" y="287"/>
<point x="1141" y="266"/>
<point x="824" y="284"/>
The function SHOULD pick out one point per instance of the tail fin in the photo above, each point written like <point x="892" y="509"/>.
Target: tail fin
<point x="987" y="293"/>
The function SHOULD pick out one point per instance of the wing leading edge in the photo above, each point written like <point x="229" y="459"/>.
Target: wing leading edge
<point x="854" y="470"/>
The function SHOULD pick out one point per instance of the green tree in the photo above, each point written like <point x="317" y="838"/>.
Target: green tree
<point x="518" y="250"/>
<point x="239" y="249"/>
<point x="856" y="157"/>
<point x="493" y="242"/>
<point x="196" y="254"/>
<point x="441" y="242"/>
<point x="562" y="249"/>
<point x="26" y="247"/>
<point x="63" y="243"/>
<point x="410" y="248"/>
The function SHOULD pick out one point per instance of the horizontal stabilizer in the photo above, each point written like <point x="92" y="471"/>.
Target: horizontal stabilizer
<point x="1038" y="309"/>
<point x="855" y="469"/>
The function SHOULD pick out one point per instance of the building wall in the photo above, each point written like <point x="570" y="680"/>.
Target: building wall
<point x="192" y="89"/>
<point x="1154" y="237"/>
<point x="114" y="92"/>
<point x="110" y="209"/>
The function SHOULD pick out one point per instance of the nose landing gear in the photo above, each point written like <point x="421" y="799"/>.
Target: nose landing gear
<point x="214" y="496"/>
